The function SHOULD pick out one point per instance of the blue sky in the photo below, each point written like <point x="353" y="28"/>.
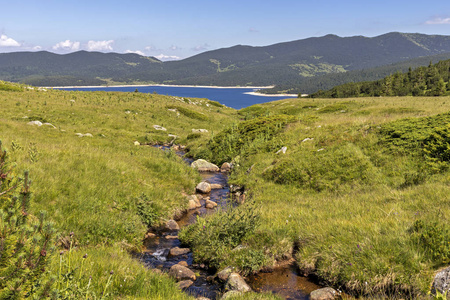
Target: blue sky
<point x="181" y="28"/>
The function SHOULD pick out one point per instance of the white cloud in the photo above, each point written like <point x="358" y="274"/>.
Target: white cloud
<point x="201" y="47"/>
<point x="174" y="48"/>
<point x="438" y="20"/>
<point x="67" y="45"/>
<point x="37" y="48"/>
<point x="100" y="45"/>
<point x="135" y="52"/>
<point x="167" y="57"/>
<point x="8" y="42"/>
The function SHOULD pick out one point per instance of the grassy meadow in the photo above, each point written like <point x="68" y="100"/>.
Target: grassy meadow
<point x="360" y="198"/>
<point x="92" y="186"/>
<point x="355" y="200"/>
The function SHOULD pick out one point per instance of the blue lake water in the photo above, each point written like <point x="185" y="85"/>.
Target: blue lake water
<point x="231" y="97"/>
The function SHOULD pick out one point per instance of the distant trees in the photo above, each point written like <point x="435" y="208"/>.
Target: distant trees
<point x="423" y="81"/>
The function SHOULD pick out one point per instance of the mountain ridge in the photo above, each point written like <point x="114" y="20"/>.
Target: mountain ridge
<point x="240" y="65"/>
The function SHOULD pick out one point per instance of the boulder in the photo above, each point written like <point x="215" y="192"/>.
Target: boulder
<point x="181" y="273"/>
<point x="171" y="237"/>
<point x="199" y="130"/>
<point x="216" y="186"/>
<point x="136" y="143"/>
<point x="204" y="166"/>
<point x="172" y="225"/>
<point x="185" y="284"/>
<point x="324" y="294"/>
<point x="236" y="283"/>
<point x="441" y="282"/>
<point x="193" y="202"/>
<point x="203" y="187"/>
<point x="223" y="275"/>
<point x="183" y="263"/>
<point x="150" y="235"/>
<point x="179" y="251"/>
<point x="226" y="167"/>
<point x="210" y="204"/>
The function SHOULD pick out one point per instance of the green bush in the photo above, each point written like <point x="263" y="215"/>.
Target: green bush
<point x="437" y="148"/>
<point x="148" y="210"/>
<point x="25" y="241"/>
<point x="189" y="113"/>
<point x="213" y="238"/>
<point x="332" y="108"/>
<point x="230" y="142"/>
<point x="7" y="86"/>
<point x="434" y="238"/>
<point x="324" y="170"/>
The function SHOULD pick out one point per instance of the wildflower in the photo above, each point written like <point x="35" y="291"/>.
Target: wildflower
<point x="85" y="256"/>
<point x="112" y="272"/>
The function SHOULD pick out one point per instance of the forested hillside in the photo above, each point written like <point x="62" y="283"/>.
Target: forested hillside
<point x="423" y="81"/>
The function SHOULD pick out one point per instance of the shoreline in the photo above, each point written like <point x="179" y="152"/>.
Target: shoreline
<point x="164" y="85"/>
<point x="271" y="95"/>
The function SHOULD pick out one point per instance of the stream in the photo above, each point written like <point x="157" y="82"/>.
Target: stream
<point x="285" y="281"/>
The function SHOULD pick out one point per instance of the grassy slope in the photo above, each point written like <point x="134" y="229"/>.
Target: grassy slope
<point x="89" y="185"/>
<point x="351" y="219"/>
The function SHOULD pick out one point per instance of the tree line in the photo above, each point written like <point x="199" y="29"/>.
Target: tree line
<point x="423" y="81"/>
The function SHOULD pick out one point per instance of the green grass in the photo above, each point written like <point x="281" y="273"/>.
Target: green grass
<point x="94" y="186"/>
<point x="344" y="199"/>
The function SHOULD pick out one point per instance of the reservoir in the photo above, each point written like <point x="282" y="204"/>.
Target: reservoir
<point x="232" y="97"/>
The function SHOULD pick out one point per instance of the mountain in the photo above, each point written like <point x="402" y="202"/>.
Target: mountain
<point x="280" y="64"/>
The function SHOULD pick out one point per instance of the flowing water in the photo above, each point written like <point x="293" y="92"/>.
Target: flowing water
<point x="285" y="281"/>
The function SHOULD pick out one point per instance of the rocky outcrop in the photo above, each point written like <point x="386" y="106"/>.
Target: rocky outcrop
<point x="203" y="187"/>
<point x="324" y="294"/>
<point x="441" y="282"/>
<point x="193" y="202"/>
<point x="204" y="166"/>
<point x="181" y="273"/>
<point x="236" y="283"/>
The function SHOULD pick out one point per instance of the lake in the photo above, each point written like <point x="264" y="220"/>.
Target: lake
<point x="231" y="97"/>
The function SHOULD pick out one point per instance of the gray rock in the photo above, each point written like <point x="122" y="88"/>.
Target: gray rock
<point x="185" y="284"/>
<point x="203" y="187"/>
<point x="181" y="273"/>
<point x="179" y="251"/>
<point x="223" y="275"/>
<point x="216" y="186"/>
<point x="236" y="283"/>
<point x="183" y="263"/>
<point x="441" y="282"/>
<point x="158" y="127"/>
<point x="49" y="124"/>
<point x="199" y="130"/>
<point x="35" y="123"/>
<point x="324" y="294"/>
<point x="172" y="225"/>
<point x="282" y="150"/>
<point x="204" y="166"/>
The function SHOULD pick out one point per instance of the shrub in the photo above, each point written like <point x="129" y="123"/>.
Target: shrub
<point x="26" y="241"/>
<point x="213" y="238"/>
<point x="437" y="148"/>
<point x="324" y="170"/>
<point x="189" y="113"/>
<point x="149" y="211"/>
<point x="229" y="143"/>
<point x="434" y="238"/>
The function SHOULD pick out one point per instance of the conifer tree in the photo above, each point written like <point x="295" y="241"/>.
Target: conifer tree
<point x="25" y="240"/>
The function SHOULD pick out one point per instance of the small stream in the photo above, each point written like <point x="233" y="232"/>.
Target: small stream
<point x="285" y="281"/>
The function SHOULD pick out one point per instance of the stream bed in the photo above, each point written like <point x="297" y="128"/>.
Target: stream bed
<point x="284" y="281"/>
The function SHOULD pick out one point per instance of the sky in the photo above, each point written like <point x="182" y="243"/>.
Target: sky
<point x="177" y="29"/>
